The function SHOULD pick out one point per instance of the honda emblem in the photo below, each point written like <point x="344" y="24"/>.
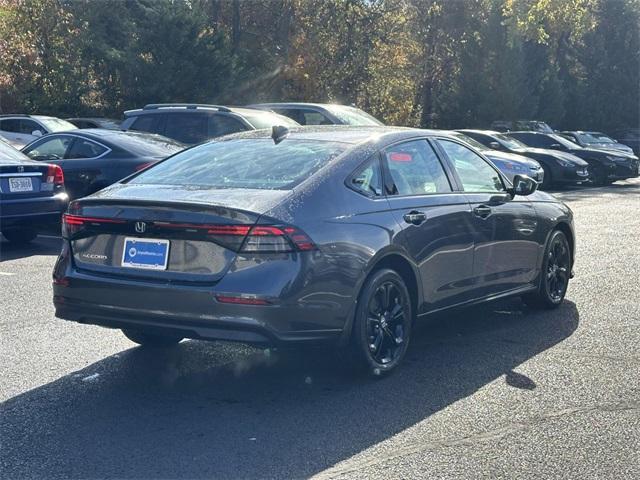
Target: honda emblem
<point x="20" y="169"/>
<point x="141" y="227"/>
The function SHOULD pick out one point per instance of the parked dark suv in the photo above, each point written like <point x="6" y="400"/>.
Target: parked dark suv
<point x="195" y="123"/>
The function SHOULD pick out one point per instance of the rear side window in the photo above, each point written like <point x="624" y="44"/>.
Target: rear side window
<point x="414" y="169"/>
<point x="367" y="179"/>
<point x="187" y="128"/>
<point x="223" y="125"/>
<point x="83" y="148"/>
<point x="146" y="123"/>
<point x="475" y="174"/>
<point x="244" y="163"/>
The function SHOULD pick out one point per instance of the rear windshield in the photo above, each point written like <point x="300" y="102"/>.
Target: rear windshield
<point x="352" y="116"/>
<point x="244" y="163"/>
<point x="7" y="152"/>
<point x="57" y="125"/>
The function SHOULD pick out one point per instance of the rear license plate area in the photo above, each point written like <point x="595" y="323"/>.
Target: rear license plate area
<point x="145" y="253"/>
<point x="23" y="184"/>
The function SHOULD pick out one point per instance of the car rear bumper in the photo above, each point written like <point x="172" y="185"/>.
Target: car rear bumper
<point x="32" y="211"/>
<point x="297" y="311"/>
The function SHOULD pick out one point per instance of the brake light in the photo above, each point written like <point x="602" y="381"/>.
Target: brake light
<point x="71" y="223"/>
<point x="272" y="239"/>
<point x="142" y="166"/>
<point x="55" y="175"/>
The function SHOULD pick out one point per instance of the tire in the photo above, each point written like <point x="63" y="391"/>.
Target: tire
<point x="599" y="178"/>
<point x="554" y="275"/>
<point x="547" y="180"/>
<point x="149" y="339"/>
<point x="20" y="236"/>
<point x="380" y="337"/>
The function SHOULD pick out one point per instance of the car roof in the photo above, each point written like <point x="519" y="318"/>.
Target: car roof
<point x="98" y="119"/>
<point x="343" y="134"/>
<point x="299" y="104"/>
<point x="484" y="132"/>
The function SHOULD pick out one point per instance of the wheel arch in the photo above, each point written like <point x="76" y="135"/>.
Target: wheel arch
<point x="398" y="262"/>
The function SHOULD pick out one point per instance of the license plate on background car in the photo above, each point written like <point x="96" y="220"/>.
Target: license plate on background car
<point x="20" y="184"/>
<point x="147" y="253"/>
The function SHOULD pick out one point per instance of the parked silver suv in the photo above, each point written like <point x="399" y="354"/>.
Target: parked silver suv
<point x="19" y="129"/>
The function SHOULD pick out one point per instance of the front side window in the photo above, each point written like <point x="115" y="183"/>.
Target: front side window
<point x="475" y="174"/>
<point x="83" y="148"/>
<point x="50" y="149"/>
<point x="244" y="163"/>
<point x="415" y="169"/>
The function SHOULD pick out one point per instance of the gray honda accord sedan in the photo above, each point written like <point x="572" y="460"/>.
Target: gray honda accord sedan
<point x="339" y="235"/>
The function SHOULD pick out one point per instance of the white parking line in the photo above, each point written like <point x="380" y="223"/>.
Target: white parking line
<point x="6" y="274"/>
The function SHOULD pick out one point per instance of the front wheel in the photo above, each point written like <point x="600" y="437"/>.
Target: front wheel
<point x="149" y="339"/>
<point x="21" y="235"/>
<point x="382" y="326"/>
<point x="555" y="273"/>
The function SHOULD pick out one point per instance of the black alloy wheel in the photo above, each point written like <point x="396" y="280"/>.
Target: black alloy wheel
<point x="383" y="322"/>
<point x="555" y="273"/>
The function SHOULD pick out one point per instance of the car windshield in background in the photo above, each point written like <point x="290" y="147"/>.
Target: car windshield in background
<point x="267" y="120"/>
<point x="595" y="137"/>
<point x="353" y="116"/>
<point x="57" y="125"/>
<point x="147" y="144"/>
<point x="564" y="142"/>
<point x="510" y="142"/>
<point x="470" y="141"/>
<point x="244" y="163"/>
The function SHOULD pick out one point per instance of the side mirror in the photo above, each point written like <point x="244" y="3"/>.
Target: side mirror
<point x="494" y="145"/>
<point x="36" y="133"/>
<point x="556" y="146"/>
<point x="523" y="185"/>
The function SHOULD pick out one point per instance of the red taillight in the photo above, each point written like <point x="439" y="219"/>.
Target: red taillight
<point x="71" y="223"/>
<point x="241" y="300"/>
<point x="272" y="239"/>
<point x="142" y="166"/>
<point x="55" y="175"/>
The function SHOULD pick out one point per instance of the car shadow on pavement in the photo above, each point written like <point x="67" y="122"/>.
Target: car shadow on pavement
<point x="228" y="411"/>
<point x="628" y="189"/>
<point x="39" y="246"/>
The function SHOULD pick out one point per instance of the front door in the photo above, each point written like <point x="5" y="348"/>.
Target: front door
<point x="505" y="247"/>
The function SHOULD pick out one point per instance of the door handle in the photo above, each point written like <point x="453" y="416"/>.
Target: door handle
<point x="482" y="211"/>
<point x="414" y="217"/>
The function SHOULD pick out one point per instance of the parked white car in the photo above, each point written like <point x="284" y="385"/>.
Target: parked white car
<point x="19" y="130"/>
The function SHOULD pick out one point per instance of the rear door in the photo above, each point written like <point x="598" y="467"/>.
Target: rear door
<point x="436" y="220"/>
<point x="505" y="231"/>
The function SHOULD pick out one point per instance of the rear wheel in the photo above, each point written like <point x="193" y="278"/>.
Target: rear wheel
<point x="382" y="325"/>
<point x="20" y="235"/>
<point x="555" y="273"/>
<point x="149" y="339"/>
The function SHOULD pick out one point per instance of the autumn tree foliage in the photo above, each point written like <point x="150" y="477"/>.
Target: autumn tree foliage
<point x="431" y="63"/>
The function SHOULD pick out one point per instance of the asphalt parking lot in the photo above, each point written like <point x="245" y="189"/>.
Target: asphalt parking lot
<point x="491" y="392"/>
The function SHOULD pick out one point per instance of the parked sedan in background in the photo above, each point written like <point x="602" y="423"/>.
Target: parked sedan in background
<point x="630" y="137"/>
<point x="95" y="158"/>
<point x="19" y="130"/>
<point x="597" y="140"/>
<point x="96" y="122"/>
<point x="529" y="125"/>
<point x="194" y="123"/>
<point x="559" y="168"/>
<point x="320" y="113"/>
<point x="605" y="166"/>
<point x="32" y="195"/>
<point x="511" y="164"/>
<point x="341" y="235"/>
